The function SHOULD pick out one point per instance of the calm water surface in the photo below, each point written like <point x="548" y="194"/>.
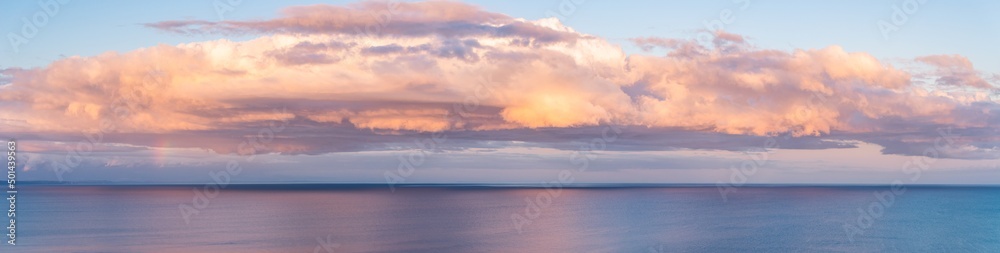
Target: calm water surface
<point x="462" y="219"/>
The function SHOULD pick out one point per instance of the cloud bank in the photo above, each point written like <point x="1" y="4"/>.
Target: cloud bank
<point x="365" y="74"/>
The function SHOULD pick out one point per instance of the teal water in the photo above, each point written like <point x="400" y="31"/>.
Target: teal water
<point x="479" y="219"/>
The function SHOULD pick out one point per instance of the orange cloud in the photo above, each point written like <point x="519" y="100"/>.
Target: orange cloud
<point x="468" y="69"/>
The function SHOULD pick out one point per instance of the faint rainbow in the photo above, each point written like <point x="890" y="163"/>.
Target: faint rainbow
<point x="161" y="151"/>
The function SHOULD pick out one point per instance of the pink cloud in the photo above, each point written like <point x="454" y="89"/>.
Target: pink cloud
<point x="956" y="70"/>
<point x="466" y="69"/>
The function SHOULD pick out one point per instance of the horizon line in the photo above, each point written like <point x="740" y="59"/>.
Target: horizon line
<point x="503" y="185"/>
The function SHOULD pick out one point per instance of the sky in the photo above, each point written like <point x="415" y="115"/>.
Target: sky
<point x="715" y="92"/>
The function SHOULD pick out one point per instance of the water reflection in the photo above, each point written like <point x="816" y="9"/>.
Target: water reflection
<point x="147" y="219"/>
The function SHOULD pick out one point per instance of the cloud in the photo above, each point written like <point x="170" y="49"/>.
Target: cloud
<point x="956" y="70"/>
<point x="374" y="18"/>
<point x="733" y="87"/>
<point x="370" y="74"/>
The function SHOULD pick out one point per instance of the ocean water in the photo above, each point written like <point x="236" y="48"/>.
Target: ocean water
<point x="479" y="219"/>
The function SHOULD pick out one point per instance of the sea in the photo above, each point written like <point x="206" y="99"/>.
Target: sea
<point x="485" y="218"/>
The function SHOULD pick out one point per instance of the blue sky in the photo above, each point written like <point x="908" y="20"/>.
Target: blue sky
<point x="801" y="92"/>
